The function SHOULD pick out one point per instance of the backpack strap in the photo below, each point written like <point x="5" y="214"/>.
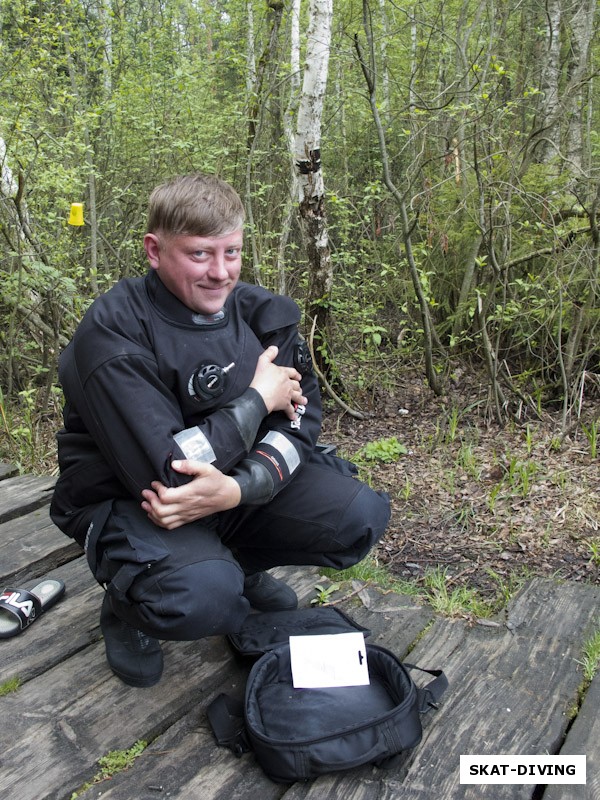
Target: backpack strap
<point x="430" y="694"/>
<point x="226" y="718"/>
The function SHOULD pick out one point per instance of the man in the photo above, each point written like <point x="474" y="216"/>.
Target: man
<point x="187" y="457"/>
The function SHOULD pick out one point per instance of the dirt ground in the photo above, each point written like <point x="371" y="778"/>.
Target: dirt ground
<point x="488" y="505"/>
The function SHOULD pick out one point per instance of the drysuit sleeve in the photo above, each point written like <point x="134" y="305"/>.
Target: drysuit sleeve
<point x="133" y="417"/>
<point x="282" y="446"/>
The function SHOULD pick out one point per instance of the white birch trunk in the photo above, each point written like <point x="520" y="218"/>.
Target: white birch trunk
<point x="292" y="108"/>
<point x="295" y="46"/>
<point x="8" y="184"/>
<point x="307" y="139"/>
<point x="549" y="116"/>
<point x="105" y="15"/>
<point x="250" y="54"/>
<point x="251" y="90"/>
<point x="582" y="31"/>
<point x="385" y="76"/>
<point x="307" y="148"/>
<point x="288" y="124"/>
<point x="413" y="63"/>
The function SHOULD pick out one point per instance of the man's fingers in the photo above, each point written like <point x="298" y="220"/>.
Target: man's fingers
<point x="190" y="467"/>
<point x="270" y="353"/>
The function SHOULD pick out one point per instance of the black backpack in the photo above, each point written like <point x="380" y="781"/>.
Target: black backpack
<point x="298" y="734"/>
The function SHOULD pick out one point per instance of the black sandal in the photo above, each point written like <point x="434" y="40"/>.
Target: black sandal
<point x="19" y="608"/>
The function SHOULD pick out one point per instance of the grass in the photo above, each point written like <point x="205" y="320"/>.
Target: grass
<point x="590" y="659"/>
<point x="453" y="602"/>
<point x="434" y="588"/>
<point x="19" y="429"/>
<point x="369" y="571"/>
<point x="467" y="461"/>
<point x="507" y="587"/>
<point x="27" y="432"/>
<point x="594" y="548"/>
<point x="9" y="686"/>
<point x="591" y="433"/>
<point x="112" y="763"/>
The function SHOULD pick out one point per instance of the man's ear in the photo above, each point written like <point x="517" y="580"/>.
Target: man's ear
<point x="152" y="248"/>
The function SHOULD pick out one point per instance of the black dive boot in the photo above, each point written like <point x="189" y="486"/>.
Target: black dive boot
<point x="266" y="593"/>
<point x="133" y="656"/>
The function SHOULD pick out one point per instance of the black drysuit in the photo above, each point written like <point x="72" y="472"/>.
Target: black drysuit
<point x="147" y="381"/>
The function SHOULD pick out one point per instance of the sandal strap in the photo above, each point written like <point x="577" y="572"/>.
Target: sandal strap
<point x="24" y="605"/>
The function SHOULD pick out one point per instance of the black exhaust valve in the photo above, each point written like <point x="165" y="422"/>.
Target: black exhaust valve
<point x="209" y="381"/>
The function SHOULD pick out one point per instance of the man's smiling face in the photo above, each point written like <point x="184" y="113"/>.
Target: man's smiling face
<point x="201" y="271"/>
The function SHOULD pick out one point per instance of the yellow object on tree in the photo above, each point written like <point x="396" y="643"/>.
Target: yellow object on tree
<point x="76" y="215"/>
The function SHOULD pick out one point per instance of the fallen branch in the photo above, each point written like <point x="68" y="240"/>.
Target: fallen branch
<point x="325" y="382"/>
<point x="356" y="591"/>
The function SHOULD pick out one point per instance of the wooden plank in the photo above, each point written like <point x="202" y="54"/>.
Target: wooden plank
<point x="67" y="627"/>
<point x="24" y="493"/>
<point x="71" y="715"/>
<point x="8" y="470"/>
<point x="32" y="545"/>
<point x="186" y="761"/>
<point x="72" y="710"/>
<point x="394" y="620"/>
<point x="510" y="690"/>
<point x="583" y="739"/>
<point x="364" y="783"/>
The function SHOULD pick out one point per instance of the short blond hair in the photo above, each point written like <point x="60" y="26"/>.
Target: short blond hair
<point x="195" y="205"/>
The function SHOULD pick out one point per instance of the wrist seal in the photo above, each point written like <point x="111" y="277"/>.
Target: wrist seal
<point x="255" y="482"/>
<point x="247" y="412"/>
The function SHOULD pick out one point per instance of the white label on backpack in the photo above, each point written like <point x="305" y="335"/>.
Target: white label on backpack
<point x="333" y="659"/>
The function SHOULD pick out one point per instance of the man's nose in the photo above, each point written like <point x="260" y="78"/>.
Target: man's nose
<point x="218" y="268"/>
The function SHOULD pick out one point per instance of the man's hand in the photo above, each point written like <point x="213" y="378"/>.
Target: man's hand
<point x="278" y="386"/>
<point x="209" y="492"/>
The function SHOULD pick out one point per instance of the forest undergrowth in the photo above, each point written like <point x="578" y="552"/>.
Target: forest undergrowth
<point x="476" y="508"/>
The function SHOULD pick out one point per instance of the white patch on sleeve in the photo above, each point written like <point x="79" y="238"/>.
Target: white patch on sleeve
<point x="195" y="445"/>
<point x="285" y="448"/>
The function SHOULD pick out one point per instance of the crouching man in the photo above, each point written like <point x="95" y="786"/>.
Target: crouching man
<point x="187" y="458"/>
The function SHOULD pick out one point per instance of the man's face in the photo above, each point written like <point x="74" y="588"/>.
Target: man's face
<point x="201" y="271"/>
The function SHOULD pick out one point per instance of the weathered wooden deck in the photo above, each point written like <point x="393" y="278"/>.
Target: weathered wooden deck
<point x="513" y="689"/>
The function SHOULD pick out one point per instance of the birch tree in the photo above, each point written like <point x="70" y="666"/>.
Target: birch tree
<point x="289" y="128"/>
<point x="307" y="161"/>
<point x="549" y="138"/>
<point x="582" y="30"/>
<point x="565" y="74"/>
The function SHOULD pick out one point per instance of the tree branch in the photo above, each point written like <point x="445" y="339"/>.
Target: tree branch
<point x="325" y="382"/>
